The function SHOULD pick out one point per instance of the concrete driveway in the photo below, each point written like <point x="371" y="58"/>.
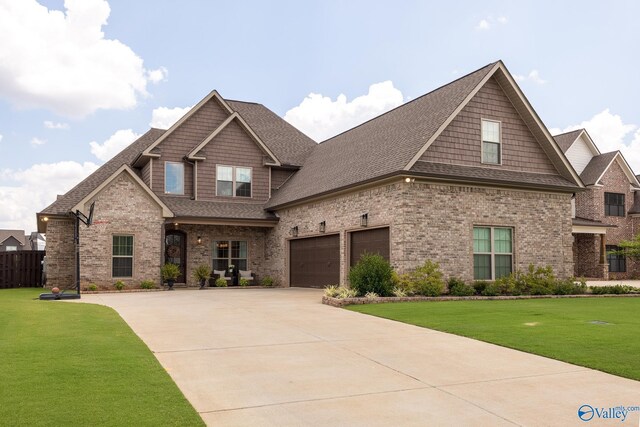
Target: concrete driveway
<point x="260" y="357"/>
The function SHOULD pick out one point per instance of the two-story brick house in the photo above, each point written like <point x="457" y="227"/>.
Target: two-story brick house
<point x="466" y="175"/>
<point x="606" y="213"/>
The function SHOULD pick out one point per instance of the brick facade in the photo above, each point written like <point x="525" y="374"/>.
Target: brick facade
<point x="435" y="221"/>
<point x="122" y="208"/>
<point x="590" y="205"/>
<point x="61" y="256"/>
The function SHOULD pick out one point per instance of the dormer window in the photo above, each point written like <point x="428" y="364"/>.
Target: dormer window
<point x="491" y="145"/>
<point x="173" y="178"/>
<point x="233" y="181"/>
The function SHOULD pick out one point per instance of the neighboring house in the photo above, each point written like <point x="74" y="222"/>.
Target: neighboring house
<point x="12" y="240"/>
<point x="37" y="241"/>
<point x="466" y="175"/>
<point x="607" y="212"/>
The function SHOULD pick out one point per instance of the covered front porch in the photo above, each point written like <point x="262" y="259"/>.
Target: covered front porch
<point x="227" y="247"/>
<point x="590" y="249"/>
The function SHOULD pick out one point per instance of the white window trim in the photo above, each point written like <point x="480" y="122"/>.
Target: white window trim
<point x="499" y="142"/>
<point x="165" y="178"/>
<point x="132" y="256"/>
<point x="493" y="252"/>
<point x="233" y="180"/>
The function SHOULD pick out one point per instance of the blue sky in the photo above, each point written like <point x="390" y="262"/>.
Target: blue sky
<point x="81" y="79"/>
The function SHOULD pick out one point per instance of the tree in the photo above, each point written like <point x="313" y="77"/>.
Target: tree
<point x="630" y="248"/>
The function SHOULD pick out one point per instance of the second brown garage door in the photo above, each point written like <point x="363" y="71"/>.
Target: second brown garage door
<point x="375" y="241"/>
<point x="315" y="261"/>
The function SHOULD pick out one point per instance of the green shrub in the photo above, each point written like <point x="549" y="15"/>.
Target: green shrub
<point x="569" y="287"/>
<point x="221" y="283"/>
<point x="371" y="274"/>
<point x="457" y="287"/>
<point x="267" y="281"/>
<point x="491" y="290"/>
<point x="402" y="283"/>
<point x="427" y="279"/>
<point x="119" y="285"/>
<point x="479" y="286"/>
<point x="399" y="292"/>
<point x="347" y="293"/>
<point x="244" y="282"/>
<point x="371" y="295"/>
<point x="537" y="281"/>
<point x="508" y="285"/>
<point x="332" y="291"/>
<point x="612" y="290"/>
<point x="147" y="284"/>
<point x="92" y="287"/>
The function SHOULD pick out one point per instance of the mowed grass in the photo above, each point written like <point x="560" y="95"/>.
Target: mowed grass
<point x="561" y="329"/>
<point x="67" y="364"/>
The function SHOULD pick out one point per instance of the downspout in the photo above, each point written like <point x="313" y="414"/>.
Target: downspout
<point x="195" y="176"/>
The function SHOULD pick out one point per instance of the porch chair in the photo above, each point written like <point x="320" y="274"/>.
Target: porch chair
<point x="247" y="274"/>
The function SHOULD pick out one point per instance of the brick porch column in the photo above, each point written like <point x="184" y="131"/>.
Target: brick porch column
<point x="604" y="265"/>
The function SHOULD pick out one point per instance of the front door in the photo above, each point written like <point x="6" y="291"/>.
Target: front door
<point x="175" y="251"/>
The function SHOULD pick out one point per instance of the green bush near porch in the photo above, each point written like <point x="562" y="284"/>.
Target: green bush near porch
<point x="80" y="364"/>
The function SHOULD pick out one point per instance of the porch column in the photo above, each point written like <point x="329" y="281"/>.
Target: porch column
<point x="603" y="248"/>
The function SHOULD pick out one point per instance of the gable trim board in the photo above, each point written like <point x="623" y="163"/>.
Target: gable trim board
<point x="499" y="66"/>
<point x="212" y="95"/>
<point x="166" y="212"/>
<point x="583" y="132"/>
<point x="235" y="116"/>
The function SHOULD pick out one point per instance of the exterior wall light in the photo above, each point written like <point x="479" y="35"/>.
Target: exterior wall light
<point x="409" y="180"/>
<point x="294" y="231"/>
<point x="45" y="219"/>
<point x="199" y="240"/>
<point x="323" y="226"/>
<point x="364" y="219"/>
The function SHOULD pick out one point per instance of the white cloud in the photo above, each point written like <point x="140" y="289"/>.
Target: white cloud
<point x="164" y="118"/>
<point x="483" y="25"/>
<point x="62" y="61"/>
<point x="489" y="22"/>
<point x="320" y="117"/>
<point x="159" y="75"/>
<point x="53" y="125"/>
<point x="533" y="76"/>
<point x="114" y="144"/>
<point x="0" y="137"/>
<point x="610" y="133"/>
<point x="37" y="141"/>
<point x="25" y="192"/>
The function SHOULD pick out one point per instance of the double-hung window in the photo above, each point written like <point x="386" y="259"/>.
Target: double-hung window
<point x="492" y="252"/>
<point x="229" y="252"/>
<point x="617" y="262"/>
<point x="233" y="181"/>
<point x="122" y="256"/>
<point x="173" y="178"/>
<point x="613" y="204"/>
<point x="491" y="144"/>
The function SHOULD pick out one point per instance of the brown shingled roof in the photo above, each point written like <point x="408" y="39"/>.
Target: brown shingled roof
<point x="67" y="201"/>
<point x="596" y="167"/>
<point x="16" y="234"/>
<point x="288" y="144"/>
<point x="590" y="223"/>
<point x="185" y="207"/>
<point x="565" y="140"/>
<point x="379" y="147"/>
<point x="490" y="175"/>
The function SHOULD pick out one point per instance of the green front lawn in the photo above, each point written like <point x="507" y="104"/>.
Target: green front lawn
<point x="80" y="364"/>
<point x="564" y="329"/>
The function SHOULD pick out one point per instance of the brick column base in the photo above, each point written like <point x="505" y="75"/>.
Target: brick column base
<point x="604" y="268"/>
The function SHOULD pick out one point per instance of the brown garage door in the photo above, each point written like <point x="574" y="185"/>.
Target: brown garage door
<point x="315" y="261"/>
<point x="374" y="241"/>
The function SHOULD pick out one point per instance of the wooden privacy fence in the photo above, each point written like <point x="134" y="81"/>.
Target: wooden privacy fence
<point x="22" y="269"/>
